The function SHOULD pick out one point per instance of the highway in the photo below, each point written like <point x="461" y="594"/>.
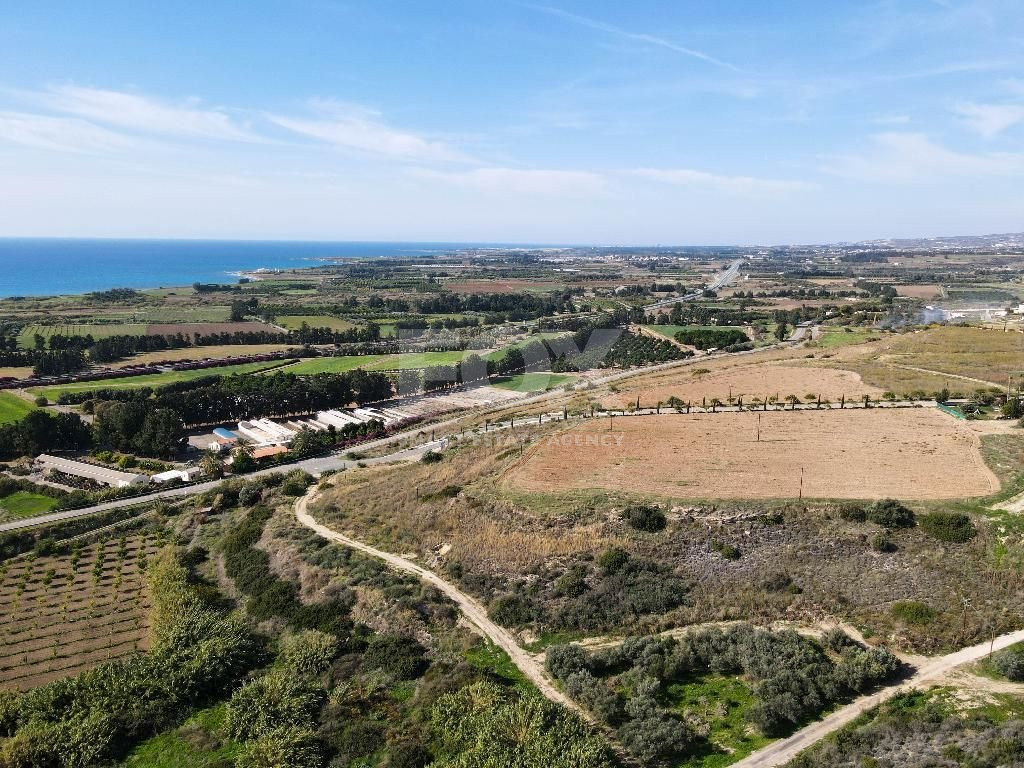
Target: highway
<point x="722" y="280"/>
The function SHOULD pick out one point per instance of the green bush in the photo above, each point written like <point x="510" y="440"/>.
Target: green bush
<point x="913" y="612"/>
<point x="645" y="517"/>
<point x="853" y="512"/>
<point x="953" y="527"/>
<point x="728" y="551"/>
<point x="1010" y="663"/>
<point x="431" y="457"/>
<point x="889" y="513"/>
<point x="401" y="658"/>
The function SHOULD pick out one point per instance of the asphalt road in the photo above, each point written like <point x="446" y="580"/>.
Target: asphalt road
<point x="719" y="282"/>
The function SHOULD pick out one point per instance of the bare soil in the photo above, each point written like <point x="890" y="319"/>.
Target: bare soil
<point x="909" y="454"/>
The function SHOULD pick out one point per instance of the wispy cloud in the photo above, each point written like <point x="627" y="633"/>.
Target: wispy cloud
<point x="909" y="158"/>
<point x="360" y="128"/>
<point x="990" y="120"/>
<point x="639" y="37"/>
<point x="141" y="113"/>
<point x="737" y="185"/>
<point x="539" y="181"/>
<point x="61" y="134"/>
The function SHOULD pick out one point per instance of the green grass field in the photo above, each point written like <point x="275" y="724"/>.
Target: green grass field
<point x="294" y="322"/>
<point x="843" y="337"/>
<point x="13" y="408"/>
<point x="153" y="380"/>
<point x="334" y="364"/>
<point x="533" y="382"/>
<point x="26" y="504"/>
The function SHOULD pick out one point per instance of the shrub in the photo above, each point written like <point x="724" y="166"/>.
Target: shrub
<point x="41" y="401"/>
<point x="1010" y="663"/>
<point x="278" y="700"/>
<point x="287" y="747"/>
<point x="513" y="610"/>
<point x="296" y="482"/>
<point x="612" y="560"/>
<point x="889" y="513"/>
<point x="565" y="660"/>
<point x="309" y="653"/>
<point x="853" y="512"/>
<point x="881" y="542"/>
<point x="402" y="658"/>
<point x="728" y="551"/>
<point x="645" y="517"/>
<point x="913" y="612"/>
<point x="431" y="457"/>
<point x="953" y="527"/>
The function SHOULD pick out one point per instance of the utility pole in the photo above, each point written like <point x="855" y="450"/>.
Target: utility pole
<point x="758" y="428"/>
<point x="801" y="483"/>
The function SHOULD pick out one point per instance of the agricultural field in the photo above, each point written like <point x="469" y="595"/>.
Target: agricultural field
<point x="25" y="504"/>
<point x="533" y="382"/>
<point x="294" y="322"/>
<point x="63" y="614"/>
<point x="26" y="339"/>
<point x="749" y="380"/>
<point x="13" y="408"/>
<point x="503" y="286"/>
<point x="535" y="557"/>
<point x="155" y="379"/>
<point x="405" y="361"/>
<point x="920" y="291"/>
<point x="15" y="373"/>
<point x="201" y="353"/>
<point x="850" y="454"/>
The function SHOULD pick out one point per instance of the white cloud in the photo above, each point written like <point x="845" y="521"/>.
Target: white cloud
<point x="61" y="134"/>
<point x="144" y="114"/>
<point x="738" y="185"/>
<point x="541" y="182"/>
<point x="990" y="120"/>
<point x="355" y="127"/>
<point x="907" y="158"/>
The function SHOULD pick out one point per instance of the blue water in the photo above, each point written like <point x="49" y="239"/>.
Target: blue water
<point x="45" y="267"/>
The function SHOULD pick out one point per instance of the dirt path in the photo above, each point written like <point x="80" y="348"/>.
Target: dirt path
<point x="472" y="610"/>
<point x="939" y="373"/>
<point x="931" y="673"/>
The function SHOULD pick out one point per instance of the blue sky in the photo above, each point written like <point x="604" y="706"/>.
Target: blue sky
<point x="598" y="122"/>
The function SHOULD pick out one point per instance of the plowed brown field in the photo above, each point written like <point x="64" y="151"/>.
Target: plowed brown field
<point x="918" y="453"/>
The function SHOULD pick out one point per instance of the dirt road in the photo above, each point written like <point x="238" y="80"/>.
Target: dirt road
<point x="932" y="672"/>
<point x="470" y="608"/>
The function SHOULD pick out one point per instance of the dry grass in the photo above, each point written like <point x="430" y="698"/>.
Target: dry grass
<point x="748" y="381"/>
<point x="849" y="454"/>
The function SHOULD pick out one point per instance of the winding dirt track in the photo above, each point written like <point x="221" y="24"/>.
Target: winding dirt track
<point x="471" y="609"/>
<point x="931" y="673"/>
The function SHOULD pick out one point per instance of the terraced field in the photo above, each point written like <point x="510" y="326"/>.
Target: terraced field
<point x="64" y="614"/>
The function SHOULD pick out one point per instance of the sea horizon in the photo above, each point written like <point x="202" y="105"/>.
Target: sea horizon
<point x="43" y="266"/>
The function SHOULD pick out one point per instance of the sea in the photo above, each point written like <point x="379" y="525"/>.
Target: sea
<point x="47" y="267"/>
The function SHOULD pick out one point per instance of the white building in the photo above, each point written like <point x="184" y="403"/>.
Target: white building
<point x="112" y="477"/>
